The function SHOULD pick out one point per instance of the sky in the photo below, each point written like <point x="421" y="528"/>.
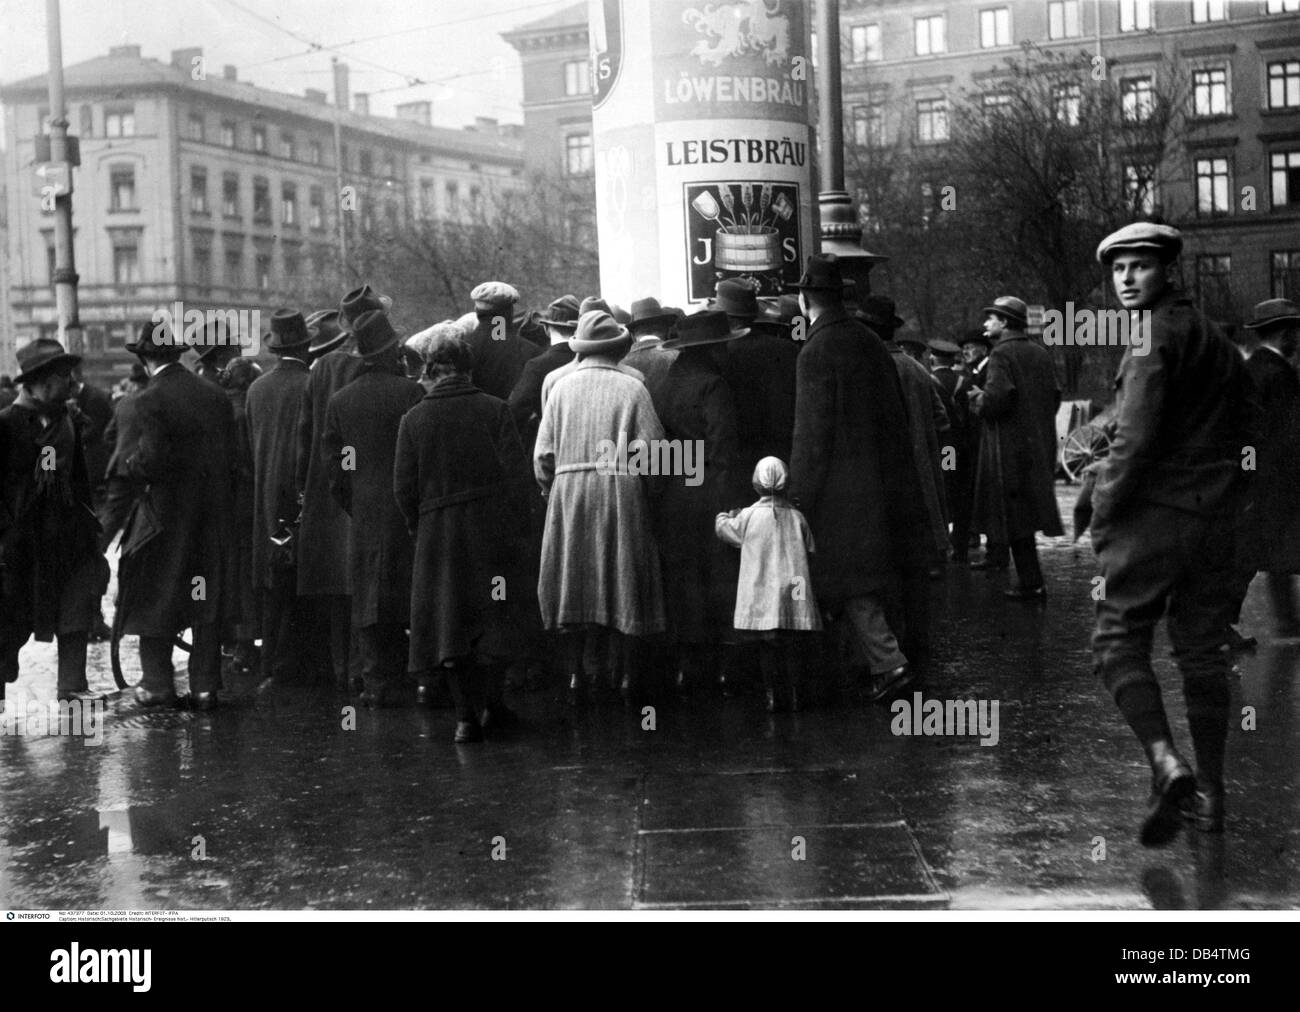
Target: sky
<point x="454" y="45"/>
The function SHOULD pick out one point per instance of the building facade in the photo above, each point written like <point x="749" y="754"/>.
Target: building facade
<point x="197" y="188"/>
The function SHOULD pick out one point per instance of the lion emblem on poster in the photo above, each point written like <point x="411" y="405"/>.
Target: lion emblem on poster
<point x="734" y="29"/>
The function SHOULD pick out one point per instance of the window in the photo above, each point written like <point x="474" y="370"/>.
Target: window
<point x="577" y="77"/>
<point x="1209" y="10"/>
<point x="577" y="155"/>
<point x="1063" y="20"/>
<point x="1286" y="274"/>
<point x="1210" y="91"/>
<point x="1066" y="102"/>
<point x="1213" y="283"/>
<point x="119" y="122"/>
<point x="51" y="258"/>
<point x="390" y="168"/>
<point x="263" y="275"/>
<point x="868" y="126"/>
<point x="1212" y="186"/>
<point x="1137" y="99"/>
<point x="929" y="35"/>
<point x="288" y="147"/>
<point x="313" y="152"/>
<point x="87" y="121"/>
<point x="261" y="201"/>
<point x="1140" y="188"/>
<point x="230" y="195"/>
<point x="1134" y="15"/>
<point x="1283" y="6"/>
<point x="367" y="162"/>
<point x="426" y="198"/>
<point x="995" y="101"/>
<point x="1284" y="84"/>
<point x="259" y="139"/>
<point x="198" y="191"/>
<point x="194" y="131"/>
<point x="1284" y="169"/>
<point x="995" y="27"/>
<point x="316" y="208"/>
<point x="865" y="43"/>
<point x="453" y="196"/>
<point x="292" y="266"/>
<point x="203" y="266"/>
<point x="227" y="134"/>
<point x="126" y="262"/>
<point x="234" y="269"/>
<point x="289" y="205"/>
<point x="932" y="120"/>
<point x="122" y="188"/>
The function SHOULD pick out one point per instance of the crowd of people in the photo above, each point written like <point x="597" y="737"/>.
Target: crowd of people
<point x="439" y="513"/>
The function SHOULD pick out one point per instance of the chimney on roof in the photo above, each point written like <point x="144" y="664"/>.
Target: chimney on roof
<point x="416" y="112"/>
<point x="316" y="95"/>
<point x="341" y="85"/>
<point x="230" y="72"/>
<point x="188" y="59"/>
<point x="127" y="52"/>
<point x="361" y="103"/>
<point x="486" y="125"/>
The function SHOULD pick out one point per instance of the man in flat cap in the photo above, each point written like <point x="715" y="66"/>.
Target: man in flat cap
<point x="1015" y="481"/>
<point x="500" y="354"/>
<point x="1161" y="518"/>
<point x="171" y="492"/>
<point x="51" y="570"/>
<point x="1271" y="521"/>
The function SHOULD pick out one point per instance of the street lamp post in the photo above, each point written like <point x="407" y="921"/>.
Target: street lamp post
<point x="65" y="273"/>
<point x="841" y="230"/>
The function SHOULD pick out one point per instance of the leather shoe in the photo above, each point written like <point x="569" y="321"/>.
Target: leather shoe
<point x="1038" y="593"/>
<point x="150" y="699"/>
<point x="1204" y="811"/>
<point x="78" y="695"/>
<point x="468" y="732"/>
<point x="985" y="564"/>
<point x="1172" y="784"/>
<point x="886" y="686"/>
<point x="205" y="702"/>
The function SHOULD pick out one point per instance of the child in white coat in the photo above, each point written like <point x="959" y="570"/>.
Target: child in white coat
<point x="774" y="598"/>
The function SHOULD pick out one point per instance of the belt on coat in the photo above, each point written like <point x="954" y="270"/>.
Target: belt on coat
<point x="468" y="495"/>
<point x="598" y="465"/>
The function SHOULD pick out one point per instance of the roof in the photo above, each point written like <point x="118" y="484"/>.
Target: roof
<point x="117" y="73"/>
<point x="570" y="17"/>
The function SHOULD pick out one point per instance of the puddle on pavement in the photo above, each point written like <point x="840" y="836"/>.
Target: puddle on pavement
<point x="140" y="830"/>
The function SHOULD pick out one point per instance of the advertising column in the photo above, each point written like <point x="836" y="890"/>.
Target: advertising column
<point x="703" y="146"/>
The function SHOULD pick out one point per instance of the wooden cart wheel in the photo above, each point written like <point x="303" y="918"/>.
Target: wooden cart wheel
<point x="1085" y="445"/>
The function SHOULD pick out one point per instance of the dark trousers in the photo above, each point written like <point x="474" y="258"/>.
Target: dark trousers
<point x="1024" y="552"/>
<point x="1159" y="562"/>
<point x="282" y="623"/>
<point x="205" y="661"/>
<point x="332" y="646"/>
<point x="383" y="649"/>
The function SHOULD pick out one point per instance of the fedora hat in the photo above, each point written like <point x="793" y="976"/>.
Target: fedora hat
<point x="779" y="315"/>
<point x="562" y="314"/>
<point x="594" y="302"/>
<point x="880" y="311"/>
<point x="1011" y="309"/>
<point x="213" y="342"/>
<point x="598" y="333"/>
<point x="974" y="336"/>
<point x="648" y="312"/>
<point x="709" y="326"/>
<point x="326" y="332"/>
<point x="822" y="274"/>
<point x="1272" y="312"/>
<point x="361" y="300"/>
<point x="41" y="356"/>
<point x="156" y="340"/>
<point x="374" y="334"/>
<point x="289" y="332"/>
<point x="1165" y="240"/>
<point x="737" y="297"/>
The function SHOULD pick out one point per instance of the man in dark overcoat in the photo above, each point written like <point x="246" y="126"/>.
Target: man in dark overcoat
<point x="323" y="534"/>
<point x="274" y="401"/>
<point x="952" y="444"/>
<point x="852" y="475"/>
<point x="358" y="448"/>
<point x="500" y="354"/>
<point x="975" y="348"/>
<point x="760" y="369"/>
<point x="51" y="570"/>
<point x="560" y="321"/>
<point x="1272" y="519"/>
<point x="1161" y="516"/>
<point x="1015" y="482"/>
<point x="650" y="326"/>
<point x="171" y="490"/>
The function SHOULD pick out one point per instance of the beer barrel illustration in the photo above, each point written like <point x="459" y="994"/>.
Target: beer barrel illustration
<point x="748" y="249"/>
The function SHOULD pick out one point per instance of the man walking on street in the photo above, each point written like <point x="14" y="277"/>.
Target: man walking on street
<point x="1161" y="514"/>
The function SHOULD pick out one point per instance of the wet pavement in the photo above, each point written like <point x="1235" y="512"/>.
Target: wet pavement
<point x="273" y="802"/>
